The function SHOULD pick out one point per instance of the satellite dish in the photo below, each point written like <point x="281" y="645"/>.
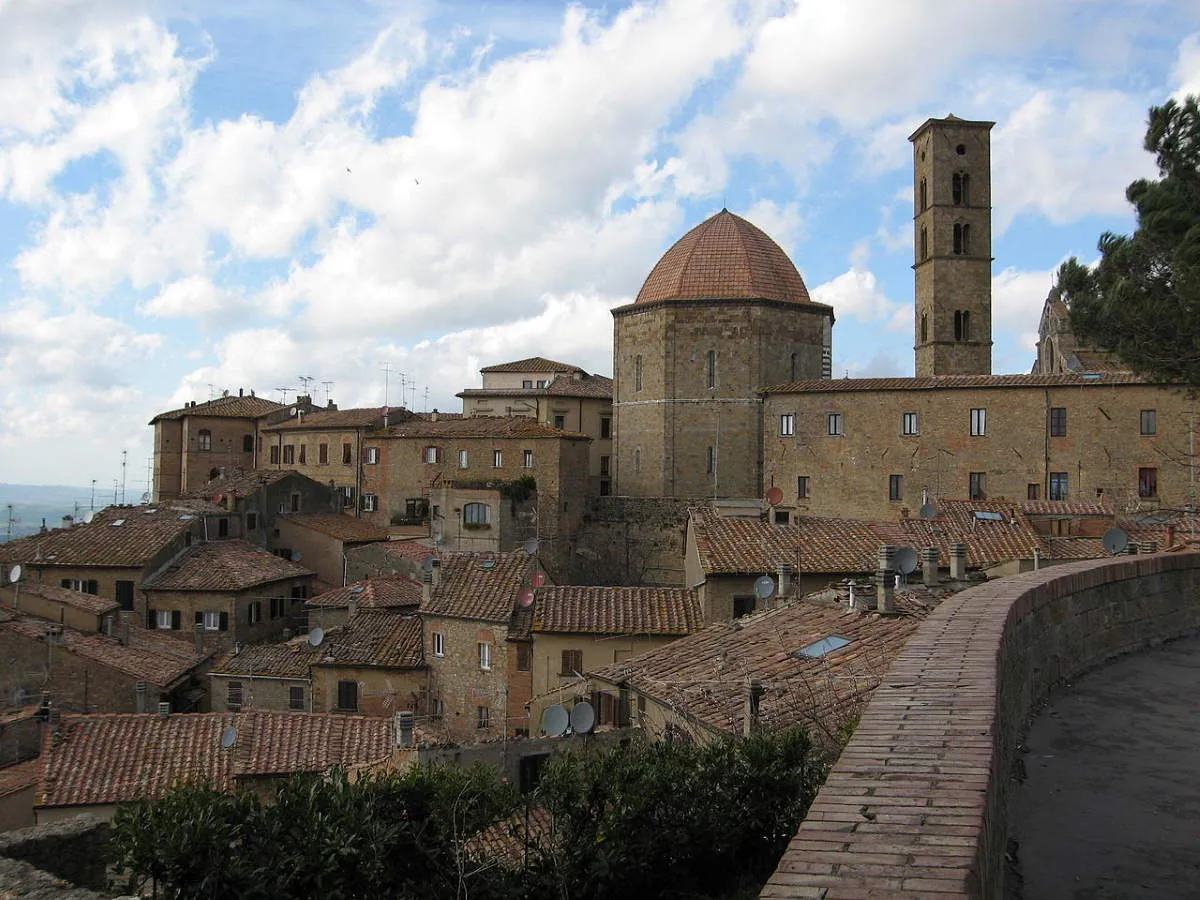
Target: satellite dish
<point x="583" y="717"/>
<point x="764" y="587"/>
<point x="928" y="511"/>
<point x="88" y="516"/>
<point x="525" y="598"/>
<point x="217" y="498"/>
<point x="228" y="737"/>
<point x="906" y="560"/>
<point x="297" y="556"/>
<point x="775" y="496"/>
<point x="316" y="636"/>
<point x="14" y="574"/>
<point x="1115" y="540"/>
<point x="539" y="579"/>
<point x="294" y="410"/>
<point x="489" y="562"/>
<point x="531" y="546"/>
<point x="428" y="563"/>
<point x="384" y="410"/>
<point x="555" y="720"/>
<point x="357" y="589"/>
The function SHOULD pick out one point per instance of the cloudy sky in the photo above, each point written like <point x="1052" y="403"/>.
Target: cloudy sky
<point x="204" y="195"/>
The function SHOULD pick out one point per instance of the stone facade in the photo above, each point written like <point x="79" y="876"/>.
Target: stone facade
<point x="952" y="243"/>
<point x="380" y="691"/>
<point x="1056" y="436"/>
<point x="461" y="685"/>
<point x="631" y="540"/>
<point x="257" y="614"/>
<point x="259" y="692"/>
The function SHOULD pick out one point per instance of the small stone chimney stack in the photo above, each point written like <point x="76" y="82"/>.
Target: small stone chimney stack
<point x="403" y="722"/>
<point x="958" y="562"/>
<point x="885" y="582"/>
<point x="929" y="565"/>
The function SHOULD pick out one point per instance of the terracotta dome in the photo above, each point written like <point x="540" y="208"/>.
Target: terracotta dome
<point x="724" y="257"/>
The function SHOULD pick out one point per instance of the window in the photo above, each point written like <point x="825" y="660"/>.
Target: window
<point x="637" y="372"/>
<point x="1058" y="486"/>
<point x="962" y="325"/>
<point x="370" y="502"/>
<point x="1147" y="483"/>
<point x="910" y="423"/>
<point x="895" y="486"/>
<point x="247" y="443"/>
<point x="233" y="695"/>
<point x="605" y="428"/>
<point x="416" y="508"/>
<point x="962" y="239"/>
<point x="477" y="514"/>
<point x="166" y="619"/>
<point x="637" y="459"/>
<point x="439" y="643"/>
<point x="524" y="657"/>
<point x="437" y="708"/>
<point x="527" y="384"/>
<point x="204" y="439"/>
<point x="977" y="486"/>
<point x="371" y="456"/>
<point x="322" y="454"/>
<point x="296" y="697"/>
<point x="83" y="585"/>
<point x="978" y="422"/>
<point x="278" y="608"/>
<point x="527" y="459"/>
<point x="711" y="460"/>
<point x="542" y="382"/>
<point x="961" y="149"/>
<point x="289" y="455"/>
<point x="1149" y="421"/>
<point x="1033" y="492"/>
<point x="485" y="655"/>
<point x="710" y="369"/>
<point x="222" y="527"/>
<point x="560" y="422"/>
<point x="1058" y="421"/>
<point x="834" y="424"/>
<point x="802" y="487"/>
<point x="483" y="717"/>
<point x="606" y="465"/>
<point x="274" y="454"/>
<point x="572" y="662"/>
<point x="605" y="487"/>
<point x="294" y="505"/>
<point x="497" y="459"/>
<point x="787" y="424"/>
<point x="251" y="521"/>
<point x="347" y="696"/>
<point x="924" y="243"/>
<point x="782" y="517"/>
<point x="792" y="377"/>
<point x="432" y="454"/>
<point x="347" y="496"/>
<point x="303" y="454"/>
<point x="211" y="620"/>
<point x="254" y="613"/>
<point x="347" y="453"/>
<point x="923" y="195"/>
<point x="960" y="189"/>
<point x="924" y="328"/>
<point x="125" y="594"/>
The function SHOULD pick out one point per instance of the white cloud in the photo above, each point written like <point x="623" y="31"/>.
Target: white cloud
<point x="192" y="297"/>
<point x="857" y="294"/>
<point x="1187" y="67"/>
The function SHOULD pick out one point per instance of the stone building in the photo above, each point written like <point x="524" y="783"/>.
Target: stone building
<point x="257" y="500"/>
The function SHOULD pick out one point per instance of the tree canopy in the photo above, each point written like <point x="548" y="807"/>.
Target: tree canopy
<point x="1142" y="301"/>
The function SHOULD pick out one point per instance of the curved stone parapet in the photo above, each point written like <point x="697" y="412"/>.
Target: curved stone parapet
<point x="916" y="804"/>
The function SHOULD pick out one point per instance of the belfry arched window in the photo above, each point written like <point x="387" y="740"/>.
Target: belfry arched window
<point x="960" y="189"/>
<point x="924" y="328"/>
<point x="962" y="239"/>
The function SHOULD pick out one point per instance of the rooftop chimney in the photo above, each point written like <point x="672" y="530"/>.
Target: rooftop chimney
<point x="241" y="393"/>
<point x="404" y="728"/>
<point x="353" y="606"/>
<point x="958" y="562"/>
<point x="929" y="565"/>
<point x="139" y="697"/>
<point x="164" y="709"/>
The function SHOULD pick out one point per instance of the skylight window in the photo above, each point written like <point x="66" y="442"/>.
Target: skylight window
<point x="823" y="647"/>
<point x="989" y="516"/>
<point x="118" y="522"/>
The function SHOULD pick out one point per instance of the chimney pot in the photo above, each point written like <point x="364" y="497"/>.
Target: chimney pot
<point x="929" y="565"/>
<point x="958" y="561"/>
<point x="404" y="728"/>
<point x="164" y="709"/>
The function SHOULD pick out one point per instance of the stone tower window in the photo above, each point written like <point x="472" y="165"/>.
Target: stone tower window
<point x="960" y="189"/>
<point x="711" y="368"/>
<point x="924" y="243"/>
<point x="793" y="375"/>
<point x="637" y="459"/>
<point x="924" y="194"/>
<point x="961" y="149"/>
<point x="924" y="328"/>
<point x="962" y="325"/>
<point x="637" y="372"/>
<point x="712" y="460"/>
<point x="962" y="239"/>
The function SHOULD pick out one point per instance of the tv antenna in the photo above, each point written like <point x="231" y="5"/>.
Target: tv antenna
<point x="555" y="720"/>
<point x="328" y="385"/>
<point x="305" y="381"/>
<point x="283" y="392"/>
<point x="386" y="368"/>
<point x="1115" y="540"/>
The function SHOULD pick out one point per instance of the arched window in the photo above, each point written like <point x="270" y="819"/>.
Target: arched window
<point x="924" y="243"/>
<point x="924" y="193"/>
<point x="477" y="514"/>
<point x="793" y="375"/>
<point x="204" y="439"/>
<point x="966" y="240"/>
<point x="637" y="459"/>
<point x="924" y="328"/>
<point x="637" y="372"/>
<point x="710" y="368"/>
<point x="958" y="189"/>
<point x="958" y="239"/>
<point x="962" y="325"/>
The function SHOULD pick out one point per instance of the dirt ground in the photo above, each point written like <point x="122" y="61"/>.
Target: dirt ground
<point x="1110" y="806"/>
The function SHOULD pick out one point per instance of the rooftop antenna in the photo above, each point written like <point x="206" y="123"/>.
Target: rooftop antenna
<point x="425" y="407"/>
<point x="124" y="458"/>
<point x="555" y="720"/>
<point x="12" y="520"/>
<point x="387" y="374"/>
<point x="328" y="385"/>
<point x="305" y="381"/>
<point x="283" y="392"/>
<point x="93" y="495"/>
<point x="150" y="475"/>
<point x="212" y="391"/>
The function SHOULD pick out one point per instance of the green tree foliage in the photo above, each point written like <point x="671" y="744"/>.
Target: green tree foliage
<point x="645" y="820"/>
<point x="1142" y="301"/>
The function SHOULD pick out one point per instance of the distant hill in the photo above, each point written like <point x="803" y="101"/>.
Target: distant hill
<point x="31" y="503"/>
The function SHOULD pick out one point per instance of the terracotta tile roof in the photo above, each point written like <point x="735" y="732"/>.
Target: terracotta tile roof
<point x="149" y="656"/>
<point x="380" y="592"/>
<point x="469" y="588"/>
<point x="533" y="364"/>
<point x="1079" y="547"/>
<point x="341" y="526"/>
<point x="1065" y="508"/>
<point x="704" y="676"/>
<point x="521" y="427"/>
<point x="368" y="417"/>
<point x="240" y="482"/>
<point x="290" y="659"/>
<point x="385" y="639"/>
<point x="90" y="603"/>
<point x="121" y="758"/>
<point x="19" y="777"/>
<point x="416" y="550"/>
<point x="616" y="610"/>
<point x="233" y="565"/>
<point x="230" y="407"/>
<point x="597" y="386"/>
<point x="505" y="842"/>
<point x="946" y="382"/>
<point x="725" y="257"/>
<point x="520" y="624"/>
<point x="988" y="542"/>
<point x="143" y="532"/>
<point x="730" y="545"/>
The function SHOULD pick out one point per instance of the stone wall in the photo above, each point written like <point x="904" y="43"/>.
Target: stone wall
<point x="631" y="540"/>
<point x="75" y="851"/>
<point x="916" y="804"/>
<point x="462" y="685"/>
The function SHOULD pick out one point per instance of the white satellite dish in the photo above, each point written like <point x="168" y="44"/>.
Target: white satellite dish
<point x="316" y="636"/>
<point x="88" y="516"/>
<point x="906" y="560"/>
<point x="928" y="511"/>
<point x="531" y="546"/>
<point x="14" y="574"/>
<point x="357" y="589"/>
<point x="583" y="717"/>
<point x="228" y="737"/>
<point x="525" y="598"/>
<point x="555" y="720"/>
<point x="764" y="587"/>
<point x="1115" y="540"/>
<point x="294" y="410"/>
